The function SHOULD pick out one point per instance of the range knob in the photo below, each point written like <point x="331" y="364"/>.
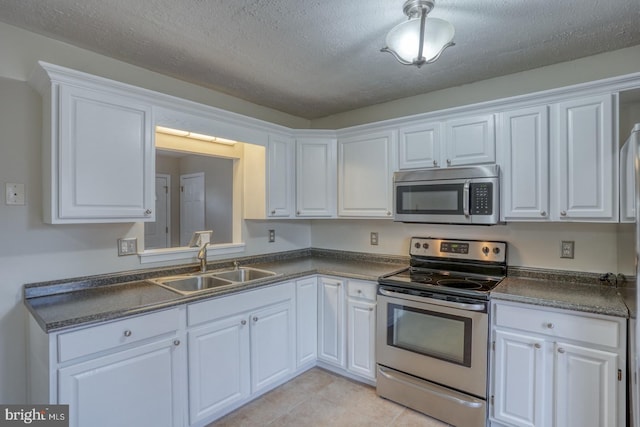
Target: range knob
<point x="417" y="245"/>
<point x="496" y="250"/>
<point x="425" y="246"/>
<point x="485" y="250"/>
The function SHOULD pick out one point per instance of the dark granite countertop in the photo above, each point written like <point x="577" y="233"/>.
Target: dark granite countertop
<point x="60" y="305"/>
<point x="63" y="304"/>
<point x="567" y="294"/>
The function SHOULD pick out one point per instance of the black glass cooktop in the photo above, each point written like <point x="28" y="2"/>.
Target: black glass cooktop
<point x="443" y="280"/>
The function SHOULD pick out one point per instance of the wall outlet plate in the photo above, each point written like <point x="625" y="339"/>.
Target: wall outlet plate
<point x="127" y="246"/>
<point x="373" y="238"/>
<point x="566" y="249"/>
<point x="14" y="194"/>
<point x="272" y="236"/>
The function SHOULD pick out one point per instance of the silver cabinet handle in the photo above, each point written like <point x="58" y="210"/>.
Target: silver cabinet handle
<point x="435" y="163"/>
<point x="370" y="308"/>
<point x="243" y="322"/>
<point x="255" y="318"/>
<point x="561" y="350"/>
<point x="537" y="345"/>
<point x="388" y="213"/>
<point x="563" y="213"/>
<point x="147" y="212"/>
<point x="298" y="213"/>
<point x="543" y="213"/>
<point x="273" y="212"/>
<point x="549" y="325"/>
<point x="176" y="342"/>
<point x="448" y="161"/>
<point x="359" y="291"/>
<point x="127" y="333"/>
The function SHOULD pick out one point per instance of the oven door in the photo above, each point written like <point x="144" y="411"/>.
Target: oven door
<point x="440" y="341"/>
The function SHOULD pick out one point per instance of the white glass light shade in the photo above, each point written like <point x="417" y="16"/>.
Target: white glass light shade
<point x="403" y="40"/>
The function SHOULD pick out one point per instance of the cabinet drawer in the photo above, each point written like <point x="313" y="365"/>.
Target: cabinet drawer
<point x="364" y="290"/>
<point x="111" y="335"/>
<point x="577" y="327"/>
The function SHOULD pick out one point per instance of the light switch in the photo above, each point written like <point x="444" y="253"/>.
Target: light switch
<point x="15" y="194"/>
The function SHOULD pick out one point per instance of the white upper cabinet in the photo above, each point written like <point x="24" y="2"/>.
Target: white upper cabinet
<point x="470" y="140"/>
<point x="456" y="142"/>
<point x="419" y="146"/>
<point x="524" y="160"/>
<point x="98" y="156"/>
<point x="280" y="167"/>
<point x="628" y="153"/>
<point x="585" y="160"/>
<point x="316" y="163"/>
<point x="365" y="171"/>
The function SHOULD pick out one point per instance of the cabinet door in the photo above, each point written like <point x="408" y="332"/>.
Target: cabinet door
<point x="331" y="321"/>
<point x="280" y="166"/>
<point x="136" y="387"/>
<point x="525" y="167"/>
<point x="586" y="387"/>
<point x="628" y="180"/>
<point x="586" y="160"/>
<point x="361" y="321"/>
<point x="519" y="379"/>
<point x="365" y="171"/>
<point x="104" y="159"/>
<point x="316" y="177"/>
<point x="272" y="345"/>
<point x="218" y="366"/>
<point x="307" y="320"/>
<point x="470" y="140"/>
<point x="419" y="146"/>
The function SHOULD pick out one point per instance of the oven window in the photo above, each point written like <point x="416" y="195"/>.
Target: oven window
<point x="443" y="336"/>
<point x="444" y="199"/>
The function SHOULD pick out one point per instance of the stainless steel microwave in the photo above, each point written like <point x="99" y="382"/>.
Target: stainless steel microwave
<point x="461" y="195"/>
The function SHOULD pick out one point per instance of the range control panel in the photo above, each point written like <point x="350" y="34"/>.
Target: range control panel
<point x="476" y="250"/>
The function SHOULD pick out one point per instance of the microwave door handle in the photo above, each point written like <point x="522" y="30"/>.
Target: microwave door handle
<point x="465" y="198"/>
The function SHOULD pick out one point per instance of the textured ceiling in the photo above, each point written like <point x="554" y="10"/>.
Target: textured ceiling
<point x="313" y="58"/>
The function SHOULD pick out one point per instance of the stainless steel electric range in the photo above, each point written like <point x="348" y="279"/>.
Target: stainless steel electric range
<point x="433" y="327"/>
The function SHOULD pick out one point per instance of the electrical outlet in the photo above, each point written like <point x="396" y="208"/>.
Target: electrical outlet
<point x="374" y="238"/>
<point x="566" y="249"/>
<point x="127" y="246"/>
<point x="272" y="236"/>
<point x="14" y="194"/>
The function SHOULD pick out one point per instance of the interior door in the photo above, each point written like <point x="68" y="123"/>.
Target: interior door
<point x="191" y="205"/>
<point x="157" y="234"/>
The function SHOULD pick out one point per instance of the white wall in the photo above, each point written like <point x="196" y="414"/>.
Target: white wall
<point x="529" y="244"/>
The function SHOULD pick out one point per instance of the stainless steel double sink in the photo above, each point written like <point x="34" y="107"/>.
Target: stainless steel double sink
<point x="200" y="282"/>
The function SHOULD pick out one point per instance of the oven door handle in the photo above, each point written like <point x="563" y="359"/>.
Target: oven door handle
<point x="465" y="198"/>
<point x="423" y="387"/>
<point x="451" y="304"/>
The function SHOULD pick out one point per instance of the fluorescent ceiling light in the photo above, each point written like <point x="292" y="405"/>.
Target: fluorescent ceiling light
<point x="193" y="135"/>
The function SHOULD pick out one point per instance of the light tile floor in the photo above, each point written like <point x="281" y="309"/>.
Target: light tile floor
<point x="321" y="398"/>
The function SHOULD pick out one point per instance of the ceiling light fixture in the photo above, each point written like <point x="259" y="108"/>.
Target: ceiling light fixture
<point x="193" y="135"/>
<point x="420" y="40"/>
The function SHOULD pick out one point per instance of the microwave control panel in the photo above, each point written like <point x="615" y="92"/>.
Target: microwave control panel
<point x="481" y="198"/>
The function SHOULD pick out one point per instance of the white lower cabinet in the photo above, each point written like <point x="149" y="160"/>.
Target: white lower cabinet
<point x="361" y="328"/>
<point x="306" y="321"/>
<point x="557" y="368"/>
<point x="346" y="326"/>
<point x="239" y="346"/>
<point x="128" y="372"/>
<point x="331" y="325"/>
